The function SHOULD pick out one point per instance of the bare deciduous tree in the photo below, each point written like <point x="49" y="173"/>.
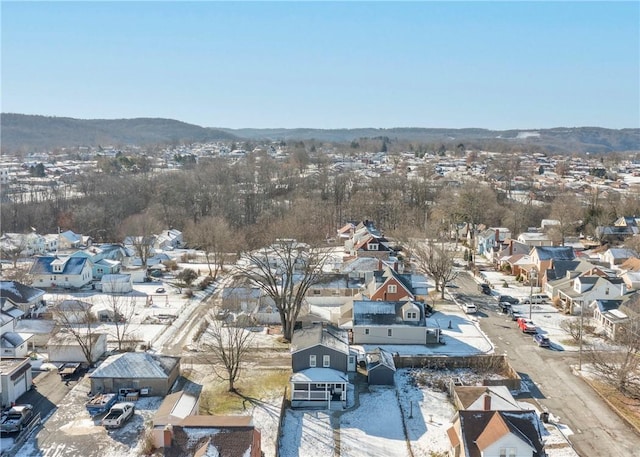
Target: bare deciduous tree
<point x="621" y="368"/>
<point x="434" y="260"/>
<point x="139" y="230"/>
<point x="79" y="321"/>
<point x="226" y="345"/>
<point x="121" y="309"/>
<point x="284" y="272"/>
<point x="212" y="235"/>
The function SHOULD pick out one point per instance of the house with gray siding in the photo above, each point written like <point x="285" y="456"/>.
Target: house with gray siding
<point x="320" y="360"/>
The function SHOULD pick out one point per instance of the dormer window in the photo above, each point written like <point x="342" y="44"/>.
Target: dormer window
<point x="372" y="246"/>
<point x="392" y="288"/>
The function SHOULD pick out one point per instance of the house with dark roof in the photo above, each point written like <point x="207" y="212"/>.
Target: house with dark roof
<point x="390" y="285"/>
<point x="583" y="289"/>
<point x="180" y="430"/>
<point x="23" y="297"/>
<point x="612" y="315"/>
<point x="496" y="433"/>
<point x="320" y="361"/>
<point x="153" y="373"/>
<point x="61" y="272"/>
<point x="391" y="322"/>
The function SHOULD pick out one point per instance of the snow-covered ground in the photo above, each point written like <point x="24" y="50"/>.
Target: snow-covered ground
<point x="375" y="427"/>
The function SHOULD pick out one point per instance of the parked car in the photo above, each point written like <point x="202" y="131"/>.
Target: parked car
<point x="160" y="290"/>
<point x="504" y="306"/>
<point x="527" y="325"/>
<point x="16" y="418"/>
<point x="515" y="315"/>
<point x="508" y="299"/>
<point x="469" y="308"/>
<point x="484" y="288"/>
<point x="542" y="340"/>
<point x="535" y="299"/>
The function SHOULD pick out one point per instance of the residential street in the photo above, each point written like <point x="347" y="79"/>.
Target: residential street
<point x="598" y="431"/>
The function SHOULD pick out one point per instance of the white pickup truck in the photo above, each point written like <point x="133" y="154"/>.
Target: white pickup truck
<point x="118" y="415"/>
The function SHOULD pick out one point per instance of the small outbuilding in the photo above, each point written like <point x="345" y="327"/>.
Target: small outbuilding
<point x="116" y="284"/>
<point x="15" y="379"/>
<point x="64" y="347"/>
<point x="380" y="367"/>
<point x="150" y="374"/>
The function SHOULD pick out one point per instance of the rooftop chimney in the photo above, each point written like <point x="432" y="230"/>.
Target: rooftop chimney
<point x="167" y="435"/>
<point x="487" y="402"/>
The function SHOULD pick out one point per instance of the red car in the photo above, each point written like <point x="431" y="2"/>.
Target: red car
<point x="527" y="325"/>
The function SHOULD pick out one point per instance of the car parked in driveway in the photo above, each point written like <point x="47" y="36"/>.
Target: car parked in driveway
<point x="484" y="288"/>
<point x="160" y="290"/>
<point x="508" y="299"/>
<point x="541" y="340"/>
<point x="527" y="325"/>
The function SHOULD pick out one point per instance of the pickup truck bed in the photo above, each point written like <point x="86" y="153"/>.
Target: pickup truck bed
<point x="101" y="403"/>
<point x="118" y="415"/>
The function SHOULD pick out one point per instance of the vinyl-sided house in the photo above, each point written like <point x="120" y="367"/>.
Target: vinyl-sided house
<point x="391" y="322"/>
<point x="64" y="272"/>
<point x="320" y="360"/>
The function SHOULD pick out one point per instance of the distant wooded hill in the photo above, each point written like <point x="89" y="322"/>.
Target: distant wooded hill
<point x="30" y="132"/>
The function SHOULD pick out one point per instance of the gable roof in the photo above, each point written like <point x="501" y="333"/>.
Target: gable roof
<point x="553" y="252"/>
<point x="136" y="365"/>
<point x="328" y="336"/>
<point x="42" y="265"/>
<point x="383" y="276"/>
<point x="380" y="358"/>
<point x="219" y="441"/>
<point x="480" y="429"/>
<point x="368" y="312"/>
<point x="18" y="293"/>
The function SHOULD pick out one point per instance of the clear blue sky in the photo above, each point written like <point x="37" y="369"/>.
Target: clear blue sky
<point x="497" y="65"/>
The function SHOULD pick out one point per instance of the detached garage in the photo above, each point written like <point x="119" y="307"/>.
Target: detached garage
<point x="380" y="367"/>
<point x="116" y="284"/>
<point x="16" y="379"/>
<point x="151" y="374"/>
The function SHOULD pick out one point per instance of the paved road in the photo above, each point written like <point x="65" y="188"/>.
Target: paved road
<point x="598" y="431"/>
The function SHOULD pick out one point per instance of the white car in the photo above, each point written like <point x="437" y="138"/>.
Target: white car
<point x="469" y="308"/>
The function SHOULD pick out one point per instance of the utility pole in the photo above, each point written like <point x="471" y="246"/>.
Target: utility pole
<point x="580" y="342"/>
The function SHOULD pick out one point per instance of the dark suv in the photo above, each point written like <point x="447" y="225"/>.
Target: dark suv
<point x="508" y="299"/>
<point x="484" y="288"/>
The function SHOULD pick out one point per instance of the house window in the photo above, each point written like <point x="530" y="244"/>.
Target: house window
<point x="392" y="288"/>
<point x="316" y="292"/>
<point x="312" y="360"/>
<point x="412" y="315"/>
<point x="326" y="361"/>
<point x="320" y="386"/>
<point x="372" y="246"/>
<point x="507" y="452"/>
<point x="366" y="331"/>
<point x="389" y="332"/>
<point x="606" y="292"/>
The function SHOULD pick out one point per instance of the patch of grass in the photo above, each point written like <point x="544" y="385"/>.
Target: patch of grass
<point x="628" y="408"/>
<point x="258" y="384"/>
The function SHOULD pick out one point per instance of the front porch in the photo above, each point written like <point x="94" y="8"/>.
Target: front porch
<point x="319" y="387"/>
